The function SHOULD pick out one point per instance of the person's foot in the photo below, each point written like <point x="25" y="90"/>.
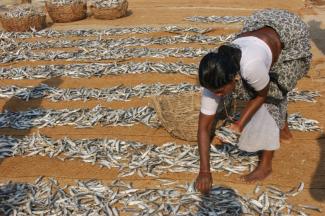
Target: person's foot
<point x="260" y="173"/>
<point x="285" y="135"/>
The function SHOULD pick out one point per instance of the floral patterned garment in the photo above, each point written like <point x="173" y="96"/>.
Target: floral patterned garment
<point x="292" y="64"/>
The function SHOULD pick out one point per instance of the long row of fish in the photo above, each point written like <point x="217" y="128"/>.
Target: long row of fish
<point x="216" y="19"/>
<point x="10" y="45"/>
<point x="51" y="33"/>
<point x="92" y="197"/>
<point x="95" y="54"/>
<point x="79" y="118"/>
<point x="120" y="93"/>
<point x="131" y="158"/>
<point x="88" y="70"/>
<point x="85" y="118"/>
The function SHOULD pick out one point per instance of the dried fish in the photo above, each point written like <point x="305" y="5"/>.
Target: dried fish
<point x="107" y="3"/>
<point x="297" y="122"/>
<point x="95" y="70"/>
<point x="120" y="92"/>
<point x="216" y="19"/>
<point x="304" y="95"/>
<point x="65" y="2"/>
<point x="104" y="54"/>
<point x="124" y="42"/>
<point x="91" y="197"/>
<point x="51" y="33"/>
<point x="23" y="10"/>
<point x="80" y="118"/>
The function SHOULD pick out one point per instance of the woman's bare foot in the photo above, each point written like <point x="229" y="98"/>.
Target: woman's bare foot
<point x="263" y="170"/>
<point x="258" y="174"/>
<point x="285" y="135"/>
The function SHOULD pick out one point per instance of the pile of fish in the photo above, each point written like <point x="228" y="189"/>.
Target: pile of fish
<point x="120" y="93"/>
<point x="304" y="95"/>
<point x="227" y="136"/>
<point x="51" y="33"/>
<point x="92" y="197"/>
<point x="85" y="118"/>
<point x="95" y="54"/>
<point x="216" y="19"/>
<point x="297" y="122"/>
<point x="123" y="42"/>
<point x="24" y="10"/>
<point x="131" y="158"/>
<point x="107" y="3"/>
<point x="79" y="118"/>
<point x="65" y="2"/>
<point x="95" y="70"/>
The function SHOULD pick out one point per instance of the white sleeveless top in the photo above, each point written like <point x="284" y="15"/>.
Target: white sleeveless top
<point x="255" y="64"/>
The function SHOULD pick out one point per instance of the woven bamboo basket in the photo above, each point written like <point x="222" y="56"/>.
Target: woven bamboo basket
<point x="110" y="13"/>
<point x="23" y="24"/>
<point x="66" y="13"/>
<point x="179" y="114"/>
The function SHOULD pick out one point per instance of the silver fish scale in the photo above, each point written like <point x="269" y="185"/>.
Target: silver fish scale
<point x="107" y="3"/>
<point x="22" y="11"/>
<point x="120" y="93"/>
<point x="80" y="118"/>
<point x="111" y="43"/>
<point x="104" y="54"/>
<point x="132" y="158"/>
<point x="50" y="33"/>
<point x="95" y="70"/>
<point x="92" y="197"/>
<point x="216" y="19"/>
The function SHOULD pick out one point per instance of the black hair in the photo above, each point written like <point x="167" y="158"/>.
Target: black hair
<point x="220" y="68"/>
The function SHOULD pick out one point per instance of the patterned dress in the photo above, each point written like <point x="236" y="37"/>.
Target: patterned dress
<point x="292" y="64"/>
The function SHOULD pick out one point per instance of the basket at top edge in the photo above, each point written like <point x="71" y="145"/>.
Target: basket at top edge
<point x="66" y="13"/>
<point x="23" y="24"/>
<point x="110" y="13"/>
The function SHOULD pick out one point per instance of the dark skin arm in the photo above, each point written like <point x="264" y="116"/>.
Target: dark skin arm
<point x="251" y="107"/>
<point x="204" y="180"/>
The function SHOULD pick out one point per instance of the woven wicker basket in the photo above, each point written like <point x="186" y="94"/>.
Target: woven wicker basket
<point x="24" y="23"/>
<point x="179" y="114"/>
<point x="66" y="13"/>
<point x="110" y="13"/>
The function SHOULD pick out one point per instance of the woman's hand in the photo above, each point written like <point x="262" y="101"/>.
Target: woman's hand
<point x="235" y="128"/>
<point x="203" y="182"/>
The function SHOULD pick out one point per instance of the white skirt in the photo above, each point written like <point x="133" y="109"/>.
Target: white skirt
<point x="260" y="133"/>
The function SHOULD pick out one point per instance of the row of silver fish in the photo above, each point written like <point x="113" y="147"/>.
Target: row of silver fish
<point x="297" y="122"/>
<point x="303" y="95"/>
<point x="95" y="54"/>
<point x="107" y="3"/>
<point x="112" y="43"/>
<point x="92" y="197"/>
<point x="131" y="158"/>
<point x="120" y="93"/>
<point x="216" y="19"/>
<point x="23" y="10"/>
<point x="51" y="33"/>
<point x="95" y="70"/>
<point x="79" y="118"/>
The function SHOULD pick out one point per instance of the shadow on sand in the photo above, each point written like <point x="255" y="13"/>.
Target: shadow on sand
<point x="317" y="34"/>
<point x="317" y="187"/>
<point x="13" y="104"/>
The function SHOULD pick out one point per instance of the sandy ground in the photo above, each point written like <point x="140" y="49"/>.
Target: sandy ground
<point x="303" y="160"/>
